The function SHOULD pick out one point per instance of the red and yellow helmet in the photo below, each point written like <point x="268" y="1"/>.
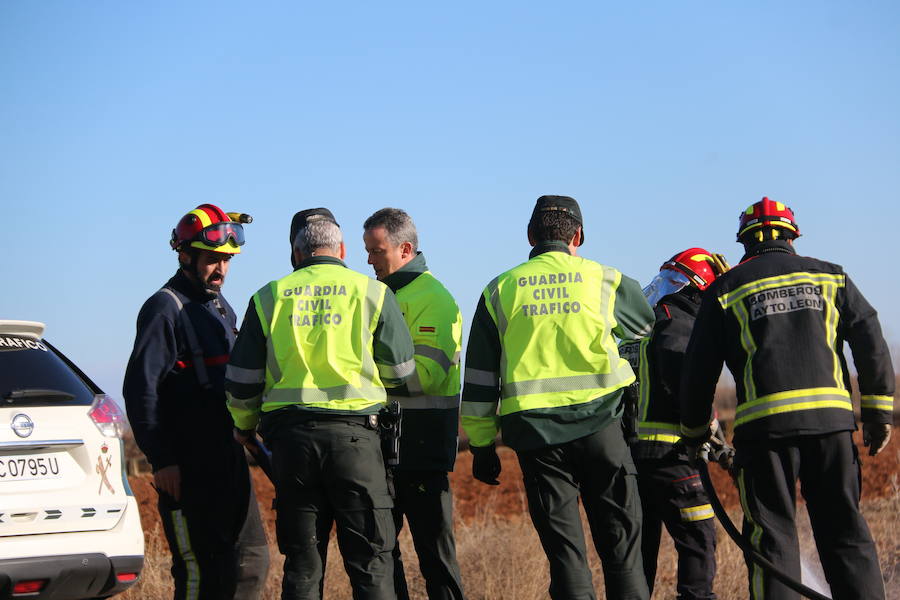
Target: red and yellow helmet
<point x="699" y="265"/>
<point x="692" y="267"/>
<point x="767" y="213"/>
<point x="207" y="227"/>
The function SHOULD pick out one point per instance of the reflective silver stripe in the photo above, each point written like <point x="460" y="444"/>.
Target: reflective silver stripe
<point x="242" y="375"/>
<point x="697" y="513"/>
<point x="479" y="377"/>
<point x="426" y="402"/>
<point x="470" y="408"/>
<point x="566" y="384"/>
<point x="494" y="298"/>
<point x="662" y="434"/>
<point x="414" y="384"/>
<point x="745" y="413"/>
<point x="400" y="371"/>
<point x="272" y="359"/>
<point x="437" y="355"/>
<point x="370" y="313"/>
<point x="266" y="298"/>
<point x="175" y="297"/>
<point x="318" y="395"/>
<point x="191" y="565"/>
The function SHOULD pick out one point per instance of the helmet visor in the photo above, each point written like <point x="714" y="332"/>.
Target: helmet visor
<point x="667" y="281"/>
<point x="218" y="234"/>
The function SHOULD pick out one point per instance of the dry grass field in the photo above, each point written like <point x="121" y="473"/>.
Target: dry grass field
<point x="499" y="553"/>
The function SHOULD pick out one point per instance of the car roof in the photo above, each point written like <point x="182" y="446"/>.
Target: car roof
<point x="31" y="329"/>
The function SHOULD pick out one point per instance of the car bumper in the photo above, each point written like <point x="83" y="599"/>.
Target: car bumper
<point x="76" y="564"/>
<point x="69" y="577"/>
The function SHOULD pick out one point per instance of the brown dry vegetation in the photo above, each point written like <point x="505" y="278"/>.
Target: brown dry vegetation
<point x="499" y="553"/>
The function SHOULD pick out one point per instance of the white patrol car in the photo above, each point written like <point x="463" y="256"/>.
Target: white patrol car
<point x="69" y="524"/>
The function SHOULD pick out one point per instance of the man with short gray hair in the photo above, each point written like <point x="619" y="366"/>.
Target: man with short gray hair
<point x="429" y="402"/>
<point x="316" y="350"/>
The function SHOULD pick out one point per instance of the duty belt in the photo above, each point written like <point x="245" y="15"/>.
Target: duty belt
<point x="297" y="415"/>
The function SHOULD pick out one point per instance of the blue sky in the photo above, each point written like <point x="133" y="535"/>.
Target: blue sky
<point x="663" y="119"/>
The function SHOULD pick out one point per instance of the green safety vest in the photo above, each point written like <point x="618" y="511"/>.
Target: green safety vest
<point x="435" y="325"/>
<point x="554" y="316"/>
<point x="319" y="323"/>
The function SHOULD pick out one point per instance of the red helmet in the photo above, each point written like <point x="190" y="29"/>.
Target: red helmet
<point x="698" y="265"/>
<point x="693" y="267"/>
<point x="207" y="227"/>
<point x="767" y="213"/>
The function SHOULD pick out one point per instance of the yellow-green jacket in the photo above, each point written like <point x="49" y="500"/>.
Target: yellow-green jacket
<point x="324" y="338"/>
<point x="430" y="398"/>
<point x="542" y="350"/>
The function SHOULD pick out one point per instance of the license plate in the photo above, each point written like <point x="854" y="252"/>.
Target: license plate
<point x="23" y="467"/>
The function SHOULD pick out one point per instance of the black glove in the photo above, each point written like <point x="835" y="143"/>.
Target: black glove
<point x="876" y="436"/>
<point x="485" y="464"/>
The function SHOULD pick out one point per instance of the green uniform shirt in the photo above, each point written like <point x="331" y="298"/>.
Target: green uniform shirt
<point x="541" y="348"/>
<point x="324" y="338"/>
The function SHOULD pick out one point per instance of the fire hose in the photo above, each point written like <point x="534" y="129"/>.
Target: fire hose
<point x="717" y="450"/>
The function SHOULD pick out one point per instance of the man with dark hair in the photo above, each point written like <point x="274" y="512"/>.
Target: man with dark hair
<point x="429" y="403"/>
<point x="316" y="350"/>
<point x="175" y="398"/>
<point x="543" y="347"/>
<point x="779" y="321"/>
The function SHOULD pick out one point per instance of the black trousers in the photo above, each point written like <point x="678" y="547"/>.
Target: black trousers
<point x="219" y="549"/>
<point x="599" y="468"/>
<point x="329" y="470"/>
<point x="423" y="497"/>
<point x="829" y="473"/>
<point x="672" y="495"/>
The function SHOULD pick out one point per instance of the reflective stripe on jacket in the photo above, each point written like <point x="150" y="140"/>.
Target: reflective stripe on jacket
<point x="313" y="341"/>
<point x="430" y="398"/>
<point x="780" y="322"/>
<point x="554" y="318"/>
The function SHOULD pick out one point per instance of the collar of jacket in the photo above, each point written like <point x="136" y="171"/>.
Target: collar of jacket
<point x="320" y="260"/>
<point x="553" y="246"/>
<point x="767" y="247"/>
<point x="687" y="299"/>
<point x="186" y="286"/>
<point x="405" y="274"/>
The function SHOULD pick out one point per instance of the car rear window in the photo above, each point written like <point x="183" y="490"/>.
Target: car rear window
<point x="32" y="374"/>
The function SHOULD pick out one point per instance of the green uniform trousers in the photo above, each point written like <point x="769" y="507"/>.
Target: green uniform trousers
<point x="329" y="469"/>
<point x="599" y="468"/>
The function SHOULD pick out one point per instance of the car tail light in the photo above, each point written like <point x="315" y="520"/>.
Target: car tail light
<point x="33" y="586"/>
<point x="126" y="577"/>
<point x="107" y="416"/>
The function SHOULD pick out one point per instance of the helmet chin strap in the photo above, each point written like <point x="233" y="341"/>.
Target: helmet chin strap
<point x="193" y="273"/>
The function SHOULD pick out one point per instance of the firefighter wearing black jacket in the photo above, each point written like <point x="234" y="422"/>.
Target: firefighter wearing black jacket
<point x="780" y="321"/>
<point x="175" y="397"/>
<point x="670" y="487"/>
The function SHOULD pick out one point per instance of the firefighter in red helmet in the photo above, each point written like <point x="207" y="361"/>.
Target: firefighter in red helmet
<point x="780" y="321"/>
<point x="670" y="488"/>
<point x="175" y="397"/>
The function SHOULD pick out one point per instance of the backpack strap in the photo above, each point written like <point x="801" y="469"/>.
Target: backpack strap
<point x="191" y="336"/>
